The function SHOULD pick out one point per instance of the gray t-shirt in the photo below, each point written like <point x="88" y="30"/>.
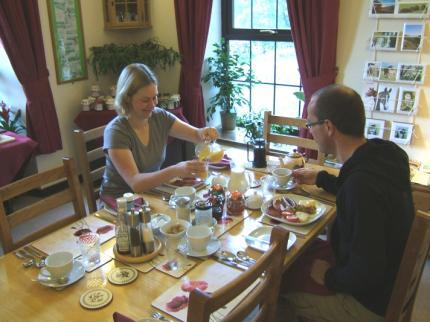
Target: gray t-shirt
<point x="120" y="135"/>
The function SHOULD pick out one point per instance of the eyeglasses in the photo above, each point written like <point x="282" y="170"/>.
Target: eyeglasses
<point x="311" y="124"/>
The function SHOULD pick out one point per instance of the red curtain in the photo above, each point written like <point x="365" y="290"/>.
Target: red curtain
<point x="314" y="30"/>
<point x="192" y="25"/>
<point x="21" y="35"/>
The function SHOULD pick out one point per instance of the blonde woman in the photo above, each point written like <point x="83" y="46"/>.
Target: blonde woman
<point x="135" y="141"/>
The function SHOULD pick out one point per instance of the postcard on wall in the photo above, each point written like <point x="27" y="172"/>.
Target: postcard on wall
<point x="410" y="73"/>
<point x="412" y="36"/>
<point x="384" y="40"/>
<point x="386" y="99"/>
<point x="369" y="95"/>
<point x="407" y="102"/>
<point x="374" y="129"/>
<point x="412" y="9"/>
<point x="388" y="72"/>
<point x="382" y="7"/>
<point x="372" y="70"/>
<point x="401" y="133"/>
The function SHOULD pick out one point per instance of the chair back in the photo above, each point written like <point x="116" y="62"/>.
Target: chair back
<point x="264" y="295"/>
<point x="410" y="271"/>
<point x="421" y="197"/>
<point x="92" y="162"/>
<point x="70" y="194"/>
<point x="300" y="142"/>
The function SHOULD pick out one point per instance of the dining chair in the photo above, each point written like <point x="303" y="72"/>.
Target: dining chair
<point x="421" y="197"/>
<point x="72" y="193"/>
<point x="297" y="141"/>
<point x="410" y="271"/>
<point x="264" y="296"/>
<point x="92" y="162"/>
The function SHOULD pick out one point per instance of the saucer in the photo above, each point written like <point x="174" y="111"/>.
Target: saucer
<point x="122" y="275"/>
<point x="77" y="272"/>
<point x="96" y="298"/>
<point x="193" y="204"/>
<point x="290" y="185"/>
<point x="213" y="246"/>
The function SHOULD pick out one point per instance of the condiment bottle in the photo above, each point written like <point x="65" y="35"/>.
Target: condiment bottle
<point x="203" y="212"/>
<point x="146" y="234"/>
<point x="134" y="233"/>
<point x="130" y="200"/>
<point x="121" y="229"/>
<point x="182" y="205"/>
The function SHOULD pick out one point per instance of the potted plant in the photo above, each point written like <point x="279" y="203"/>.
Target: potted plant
<point x="112" y="58"/>
<point x="14" y="123"/>
<point x="224" y="71"/>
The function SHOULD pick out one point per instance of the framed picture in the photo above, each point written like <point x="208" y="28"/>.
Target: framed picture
<point x="388" y="72"/>
<point x="65" y="22"/>
<point x="412" y="37"/>
<point x="369" y="95"/>
<point x="374" y="129"/>
<point x="407" y="102"/>
<point x="371" y="70"/>
<point x="382" y="7"/>
<point x="401" y="133"/>
<point x="386" y="99"/>
<point x="410" y="73"/>
<point x="384" y="40"/>
<point x="412" y="9"/>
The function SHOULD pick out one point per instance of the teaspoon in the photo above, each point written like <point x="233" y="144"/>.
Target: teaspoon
<point x="243" y="256"/>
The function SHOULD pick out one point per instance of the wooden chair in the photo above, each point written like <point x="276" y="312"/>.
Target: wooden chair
<point x="410" y="271"/>
<point x="264" y="295"/>
<point x="270" y="137"/>
<point x="92" y="162"/>
<point x="71" y="194"/>
<point x="421" y="196"/>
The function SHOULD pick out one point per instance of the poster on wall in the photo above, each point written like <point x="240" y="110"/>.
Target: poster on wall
<point x="407" y="102"/>
<point x="384" y="40"/>
<point x="369" y="95"/>
<point x="401" y="133"/>
<point x="374" y="129"/>
<point x="386" y="100"/>
<point x="398" y="9"/>
<point x="412" y="36"/>
<point x="371" y="70"/>
<point x="65" y="22"/>
<point x="410" y="73"/>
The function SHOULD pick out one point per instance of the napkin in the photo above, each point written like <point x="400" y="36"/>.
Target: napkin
<point x="223" y="164"/>
<point x="118" y="317"/>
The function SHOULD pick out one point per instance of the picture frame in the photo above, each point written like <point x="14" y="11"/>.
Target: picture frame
<point x="399" y="9"/>
<point x="65" y="21"/>
<point x="386" y="100"/>
<point x="374" y="128"/>
<point x="372" y="70"/>
<point x="388" y="72"/>
<point x="401" y="133"/>
<point x="407" y="103"/>
<point x="369" y="95"/>
<point x="412" y="37"/>
<point x="410" y="73"/>
<point x="384" y="40"/>
<point x="382" y="7"/>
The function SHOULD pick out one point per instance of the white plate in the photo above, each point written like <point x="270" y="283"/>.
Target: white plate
<point x="122" y="275"/>
<point x="319" y="211"/>
<point x="96" y="298"/>
<point x="289" y="186"/>
<point x="213" y="246"/>
<point x="259" y="238"/>
<point x="77" y="272"/>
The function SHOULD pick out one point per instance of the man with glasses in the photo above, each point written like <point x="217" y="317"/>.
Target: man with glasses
<point x="374" y="216"/>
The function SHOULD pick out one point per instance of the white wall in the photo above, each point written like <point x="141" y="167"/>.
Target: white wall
<point x="355" y="31"/>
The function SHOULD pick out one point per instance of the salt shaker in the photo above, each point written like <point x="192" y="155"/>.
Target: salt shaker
<point x="134" y="233"/>
<point x="146" y="234"/>
<point x="121" y="229"/>
<point x="183" y="208"/>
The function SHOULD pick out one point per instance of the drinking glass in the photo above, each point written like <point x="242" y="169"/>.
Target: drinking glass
<point x="89" y="244"/>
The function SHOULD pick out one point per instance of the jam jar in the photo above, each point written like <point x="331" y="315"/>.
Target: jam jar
<point x="235" y="203"/>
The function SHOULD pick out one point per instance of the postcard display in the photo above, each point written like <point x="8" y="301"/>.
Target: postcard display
<point x="391" y="89"/>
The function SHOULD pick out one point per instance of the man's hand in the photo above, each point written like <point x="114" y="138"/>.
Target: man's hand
<point x="305" y="176"/>
<point x="208" y="134"/>
<point x="318" y="270"/>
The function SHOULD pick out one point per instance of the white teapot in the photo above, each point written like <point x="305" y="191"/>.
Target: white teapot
<point x="292" y="160"/>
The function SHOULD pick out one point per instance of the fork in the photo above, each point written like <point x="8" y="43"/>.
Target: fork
<point x="161" y="317"/>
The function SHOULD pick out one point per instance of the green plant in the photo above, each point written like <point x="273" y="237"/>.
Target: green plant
<point x="230" y="76"/>
<point x="300" y="95"/>
<point x="13" y="124"/>
<point x="112" y="58"/>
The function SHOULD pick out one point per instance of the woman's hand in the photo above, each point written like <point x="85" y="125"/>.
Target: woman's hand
<point x="305" y="176"/>
<point x="191" y="168"/>
<point x="208" y="134"/>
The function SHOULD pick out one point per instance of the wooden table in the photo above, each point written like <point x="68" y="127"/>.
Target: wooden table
<point x="25" y="300"/>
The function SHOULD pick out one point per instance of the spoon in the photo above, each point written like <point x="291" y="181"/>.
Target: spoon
<point x="28" y="263"/>
<point x="243" y="256"/>
<point x="228" y="255"/>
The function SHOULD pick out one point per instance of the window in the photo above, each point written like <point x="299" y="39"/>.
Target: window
<point x="259" y="32"/>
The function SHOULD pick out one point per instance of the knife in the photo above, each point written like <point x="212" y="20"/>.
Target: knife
<point x="230" y="263"/>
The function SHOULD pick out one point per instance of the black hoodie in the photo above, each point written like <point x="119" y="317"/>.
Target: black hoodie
<point x="374" y="216"/>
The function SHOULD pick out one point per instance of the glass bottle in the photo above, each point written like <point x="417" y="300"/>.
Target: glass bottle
<point x="146" y="234"/>
<point x="203" y="212"/>
<point x="182" y="205"/>
<point x="121" y="229"/>
<point x="130" y="200"/>
<point x="134" y="233"/>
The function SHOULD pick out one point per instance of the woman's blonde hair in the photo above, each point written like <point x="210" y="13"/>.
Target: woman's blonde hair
<point x="133" y="77"/>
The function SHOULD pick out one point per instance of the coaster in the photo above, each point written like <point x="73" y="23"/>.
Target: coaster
<point x="96" y="298"/>
<point x="122" y="275"/>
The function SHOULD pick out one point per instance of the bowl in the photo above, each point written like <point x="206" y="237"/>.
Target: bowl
<point x="175" y="229"/>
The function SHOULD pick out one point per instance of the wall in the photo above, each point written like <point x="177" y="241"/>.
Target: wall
<point x="355" y="31"/>
<point x="67" y="97"/>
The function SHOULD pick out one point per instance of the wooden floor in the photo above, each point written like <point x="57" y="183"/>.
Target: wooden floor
<point x="421" y="311"/>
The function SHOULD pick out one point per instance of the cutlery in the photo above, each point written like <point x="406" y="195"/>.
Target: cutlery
<point x="229" y="262"/>
<point x="243" y="256"/>
<point x="161" y="317"/>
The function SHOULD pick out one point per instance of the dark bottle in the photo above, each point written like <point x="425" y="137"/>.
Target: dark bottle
<point x="134" y="233"/>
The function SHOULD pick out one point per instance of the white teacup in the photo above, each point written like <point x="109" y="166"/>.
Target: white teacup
<point x="186" y="191"/>
<point x="199" y="237"/>
<point x="282" y="175"/>
<point x="59" y="264"/>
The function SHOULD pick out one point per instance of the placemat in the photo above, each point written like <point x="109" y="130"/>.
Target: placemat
<point x="175" y="267"/>
<point x="208" y="276"/>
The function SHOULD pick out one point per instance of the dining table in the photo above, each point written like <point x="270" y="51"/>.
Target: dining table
<point x="23" y="298"/>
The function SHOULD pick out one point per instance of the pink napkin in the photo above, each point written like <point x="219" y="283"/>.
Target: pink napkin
<point x="223" y="164"/>
<point x="118" y="317"/>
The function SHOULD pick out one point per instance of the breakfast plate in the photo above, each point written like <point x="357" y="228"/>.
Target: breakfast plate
<point x="213" y="246"/>
<point x="268" y="211"/>
<point x="259" y="238"/>
<point x="77" y="272"/>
